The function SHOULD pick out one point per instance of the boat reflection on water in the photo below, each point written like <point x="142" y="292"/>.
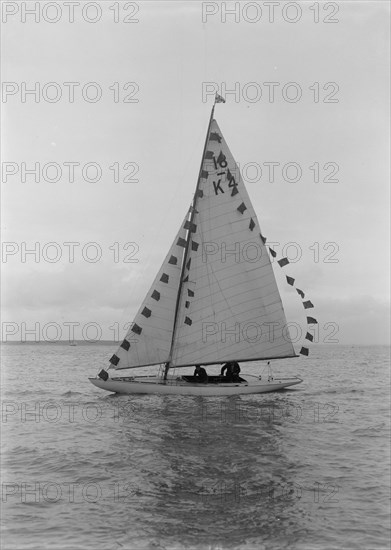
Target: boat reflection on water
<point x="219" y="472"/>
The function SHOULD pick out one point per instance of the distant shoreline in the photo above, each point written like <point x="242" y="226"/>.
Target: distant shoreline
<point x="74" y="343"/>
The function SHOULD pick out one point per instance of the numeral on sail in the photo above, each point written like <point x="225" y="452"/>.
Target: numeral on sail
<point x="221" y="160"/>
<point x="231" y="179"/>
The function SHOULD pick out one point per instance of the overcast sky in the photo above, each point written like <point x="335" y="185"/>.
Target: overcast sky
<point x="334" y="119"/>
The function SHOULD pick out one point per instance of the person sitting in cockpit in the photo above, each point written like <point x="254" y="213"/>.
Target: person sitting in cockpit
<point x="200" y="374"/>
<point x="232" y="369"/>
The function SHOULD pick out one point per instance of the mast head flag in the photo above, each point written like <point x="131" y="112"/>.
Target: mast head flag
<point x="219" y="99"/>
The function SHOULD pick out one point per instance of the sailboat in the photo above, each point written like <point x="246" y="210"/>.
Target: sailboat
<point x="214" y="300"/>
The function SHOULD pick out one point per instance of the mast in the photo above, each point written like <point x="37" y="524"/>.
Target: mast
<point x="193" y="212"/>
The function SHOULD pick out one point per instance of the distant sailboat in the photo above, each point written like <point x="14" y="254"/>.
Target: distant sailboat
<point x="215" y="298"/>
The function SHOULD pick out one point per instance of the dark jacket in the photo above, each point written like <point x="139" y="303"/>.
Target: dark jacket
<point x="200" y="375"/>
<point x="232" y="369"/>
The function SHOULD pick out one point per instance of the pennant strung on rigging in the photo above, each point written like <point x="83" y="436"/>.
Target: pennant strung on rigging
<point x="214" y="136"/>
<point x="155" y="295"/>
<point x="191" y="226"/>
<point x="125" y="345"/>
<point x="114" y="360"/>
<point x="283" y="261"/>
<point x="136" y="329"/>
<point x="181" y="242"/>
<point x="146" y="312"/>
<point x="312" y="321"/>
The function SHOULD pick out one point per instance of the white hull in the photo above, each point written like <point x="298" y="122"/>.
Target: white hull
<point x="177" y="386"/>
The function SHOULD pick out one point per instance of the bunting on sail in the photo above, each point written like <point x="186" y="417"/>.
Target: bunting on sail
<point x="148" y="341"/>
<point x="307" y="304"/>
<point x="230" y="307"/>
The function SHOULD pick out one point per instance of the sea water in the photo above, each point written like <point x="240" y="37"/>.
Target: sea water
<point x="303" y="468"/>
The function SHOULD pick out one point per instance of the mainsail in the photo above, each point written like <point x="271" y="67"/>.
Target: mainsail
<point x="230" y="307"/>
<point x="215" y="298"/>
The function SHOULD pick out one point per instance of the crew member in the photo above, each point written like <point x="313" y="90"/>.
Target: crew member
<point x="166" y="368"/>
<point x="232" y="369"/>
<point x="200" y="374"/>
<point x="235" y="372"/>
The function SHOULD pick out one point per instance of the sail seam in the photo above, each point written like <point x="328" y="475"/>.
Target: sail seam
<point x="195" y="310"/>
